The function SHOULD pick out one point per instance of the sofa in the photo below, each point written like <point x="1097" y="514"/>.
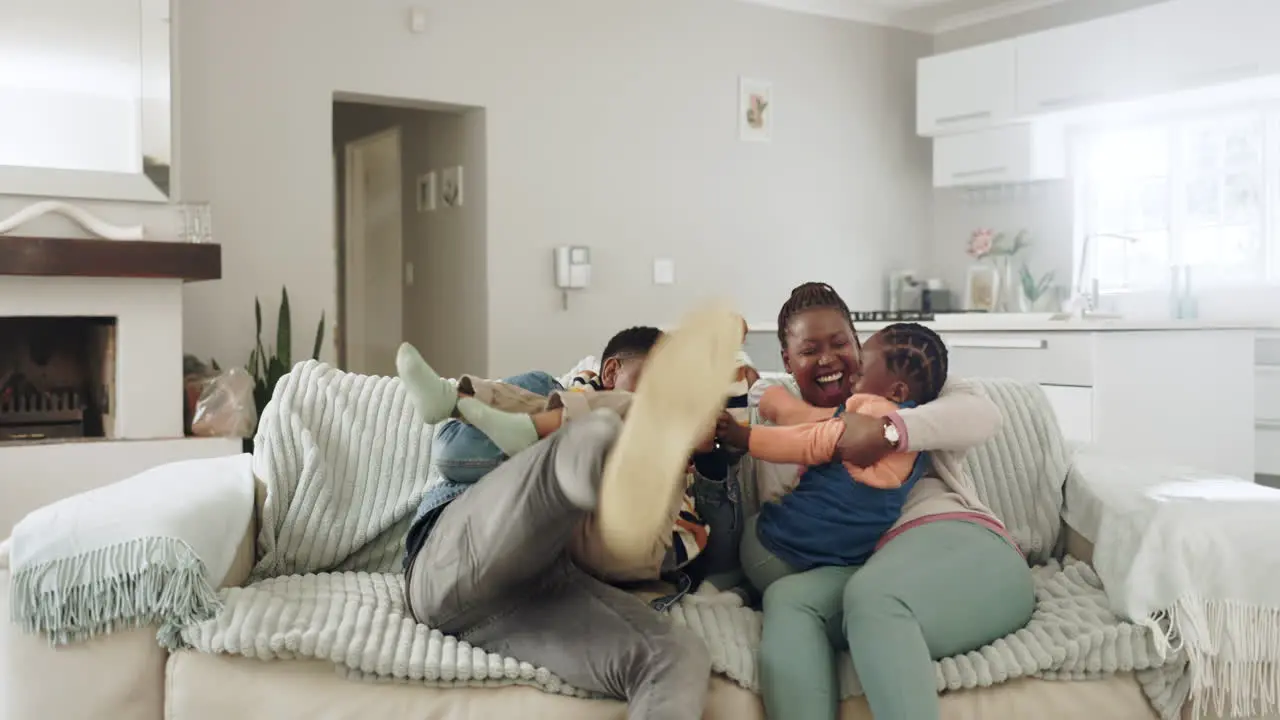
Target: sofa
<point x="128" y="676"/>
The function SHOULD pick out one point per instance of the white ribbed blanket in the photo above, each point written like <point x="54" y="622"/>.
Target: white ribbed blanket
<point x="359" y="622"/>
<point x="345" y="460"/>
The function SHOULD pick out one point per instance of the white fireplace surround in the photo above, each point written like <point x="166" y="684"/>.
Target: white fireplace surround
<point x="148" y="391"/>
<point x="148" y="344"/>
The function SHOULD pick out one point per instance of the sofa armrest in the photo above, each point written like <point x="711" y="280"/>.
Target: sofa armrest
<point x="247" y="551"/>
<point x="1100" y="482"/>
<point x="120" y="675"/>
<point x="1075" y="544"/>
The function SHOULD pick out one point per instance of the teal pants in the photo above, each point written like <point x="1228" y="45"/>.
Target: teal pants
<point x="936" y="590"/>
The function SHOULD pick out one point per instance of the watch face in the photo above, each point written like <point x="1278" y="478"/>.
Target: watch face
<point x="891" y="433"/>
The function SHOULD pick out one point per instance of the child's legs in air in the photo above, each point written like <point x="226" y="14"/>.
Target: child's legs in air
<point x="464" y="453"/>
<point x="524" y="393"/>
<point x="513" y="431"/>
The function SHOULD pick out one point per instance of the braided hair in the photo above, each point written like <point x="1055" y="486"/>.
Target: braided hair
<point x="917" y="354"/>
<point x="811" y="296"/>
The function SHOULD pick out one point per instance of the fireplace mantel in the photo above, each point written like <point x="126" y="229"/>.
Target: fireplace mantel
<point x="79" y="257"/>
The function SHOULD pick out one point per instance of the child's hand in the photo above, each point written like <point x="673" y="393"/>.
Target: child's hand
<point x="730" y="433"/>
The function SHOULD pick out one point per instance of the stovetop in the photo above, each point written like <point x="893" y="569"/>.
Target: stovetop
<point x="904" y="315"/>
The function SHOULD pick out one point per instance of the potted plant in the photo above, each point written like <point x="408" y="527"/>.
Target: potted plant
<point x="1036" y="292"/>
<point x="268" y="364"/>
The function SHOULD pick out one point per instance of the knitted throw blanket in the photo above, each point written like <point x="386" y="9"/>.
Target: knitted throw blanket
<point x="358" y="621"/>
<point x="345" y="460"/>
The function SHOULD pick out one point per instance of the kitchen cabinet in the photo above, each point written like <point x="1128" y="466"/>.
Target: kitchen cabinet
<point x="966" y="89"/>
<point x="1267" y="379"/>
<point x="1166" y="48"/>
<point x="1073" y="407"/>
<point x="1010" y="154"/>
<point x="1075" y="66"/>
<point x="1191" y="44"/>
<point x="1130" y="392"/>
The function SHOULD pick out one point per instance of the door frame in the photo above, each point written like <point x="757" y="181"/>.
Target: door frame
<point x="355" y="255"/>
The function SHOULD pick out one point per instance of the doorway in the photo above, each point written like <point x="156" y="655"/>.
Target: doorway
<point x="373" y="288"/>
<point x="410" y="234"/>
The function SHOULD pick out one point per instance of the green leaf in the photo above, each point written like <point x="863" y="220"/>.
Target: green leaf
<point x="284" y="334"/>
<point x="257" y="317"/>
<point x="261" y="396"/>
<point x="213" y="362"/>
<point x="315" y="349"/>
<point x="275" y="371"/>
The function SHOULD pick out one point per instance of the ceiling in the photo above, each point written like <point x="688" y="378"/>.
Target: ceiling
<point x="930" y="16"/>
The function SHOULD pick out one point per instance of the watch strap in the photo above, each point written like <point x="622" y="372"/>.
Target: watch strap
<point x="901" y="427"/>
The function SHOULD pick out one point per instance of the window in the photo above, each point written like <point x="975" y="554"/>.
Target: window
<point x="1194" y="191"/>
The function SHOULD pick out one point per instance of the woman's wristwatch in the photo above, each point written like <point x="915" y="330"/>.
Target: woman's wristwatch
<point x="893" y="434"/>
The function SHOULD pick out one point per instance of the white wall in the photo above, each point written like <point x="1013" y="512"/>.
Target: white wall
<point x="609" y="124"/>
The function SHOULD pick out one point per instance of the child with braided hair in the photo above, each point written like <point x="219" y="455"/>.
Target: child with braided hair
<point x="898" y="575"/>
<point x="903" y="365"/>
<point x="843" y="504"/>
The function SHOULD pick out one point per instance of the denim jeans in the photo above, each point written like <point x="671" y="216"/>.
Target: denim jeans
<point x="463" y="454"/>
<point x="717" y="498"/>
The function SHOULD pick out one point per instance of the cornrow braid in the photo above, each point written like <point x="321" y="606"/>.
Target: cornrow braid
<point x="919" y="355"/>
<point x="810" y="296"/>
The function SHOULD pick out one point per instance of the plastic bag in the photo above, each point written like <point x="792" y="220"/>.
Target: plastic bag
<point x="225" y="407"/>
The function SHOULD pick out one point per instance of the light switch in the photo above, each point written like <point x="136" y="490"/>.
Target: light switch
<point x="418" y="20"/>
<point x="664" y="271"/>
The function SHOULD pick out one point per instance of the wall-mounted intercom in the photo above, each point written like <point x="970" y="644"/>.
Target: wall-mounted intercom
<point x="573" y="270"/>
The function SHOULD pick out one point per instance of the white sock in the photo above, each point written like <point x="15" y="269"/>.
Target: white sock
<point x="511" y="432"/>
<point x="432" y="395"/>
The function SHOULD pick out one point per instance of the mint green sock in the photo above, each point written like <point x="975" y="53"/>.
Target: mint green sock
<point x="432" y="395"/>
<point x="511" y="432"/>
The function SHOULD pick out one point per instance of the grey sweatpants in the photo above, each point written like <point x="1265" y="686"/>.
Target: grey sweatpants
<point x="494" y="571"/>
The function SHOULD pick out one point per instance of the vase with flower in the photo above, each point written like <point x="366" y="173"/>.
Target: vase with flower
<point x="986" y="244"/>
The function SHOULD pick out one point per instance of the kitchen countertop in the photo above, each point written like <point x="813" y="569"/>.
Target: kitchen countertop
<point x="1042" y="322"/>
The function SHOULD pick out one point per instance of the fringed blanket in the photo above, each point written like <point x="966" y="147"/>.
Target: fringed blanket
<point x="1194" y="558"/>
<point x="148" y="550"/>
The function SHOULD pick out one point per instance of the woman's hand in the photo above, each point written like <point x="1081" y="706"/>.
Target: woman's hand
<point x="863" y="443"/>
<point x="730" y="433"/>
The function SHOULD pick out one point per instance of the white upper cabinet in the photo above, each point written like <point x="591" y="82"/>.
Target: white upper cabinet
<point x="1189" y="44"/>
<point x="1075" y="66"/>
<point x="1019" y="153"/>
<point x="966" y="89"/>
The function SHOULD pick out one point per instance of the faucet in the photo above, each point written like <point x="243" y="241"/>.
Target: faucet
<point x="1087" y="303"/>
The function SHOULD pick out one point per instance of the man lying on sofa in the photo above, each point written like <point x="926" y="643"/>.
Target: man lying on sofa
<point x="490" y="566"/>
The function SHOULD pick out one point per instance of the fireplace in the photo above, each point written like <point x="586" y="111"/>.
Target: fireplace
<point x="57" y="378"/>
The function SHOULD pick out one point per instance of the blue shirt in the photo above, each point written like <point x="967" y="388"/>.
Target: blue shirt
<point x="831" y="519"/>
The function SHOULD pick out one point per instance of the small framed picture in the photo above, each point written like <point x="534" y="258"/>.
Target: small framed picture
<point x="982" y="288"/>
<point x="755" y="110"/>
<point x="427" y="192"/>
<point x="451" y="186"/>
